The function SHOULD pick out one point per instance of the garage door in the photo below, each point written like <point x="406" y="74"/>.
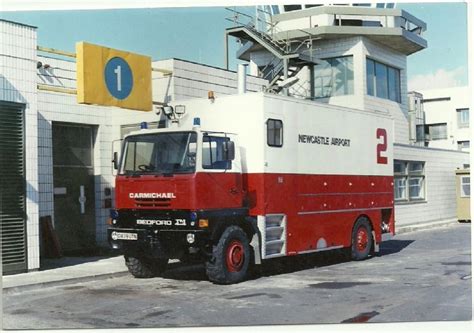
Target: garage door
<point x="12" y="187"/>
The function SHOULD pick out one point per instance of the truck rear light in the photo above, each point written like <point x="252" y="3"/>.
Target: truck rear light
<point x="203" y="223"/>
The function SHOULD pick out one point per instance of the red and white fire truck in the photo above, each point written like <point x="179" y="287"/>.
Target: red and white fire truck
<point x="244" y="178"/>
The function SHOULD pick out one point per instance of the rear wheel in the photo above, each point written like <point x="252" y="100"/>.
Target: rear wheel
<point x="142" y="267"/>
<point x="361" y="239"/>
<point x="231" y="257"/>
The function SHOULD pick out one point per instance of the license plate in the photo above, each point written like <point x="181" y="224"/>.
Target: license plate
<point x="124" y="236"/>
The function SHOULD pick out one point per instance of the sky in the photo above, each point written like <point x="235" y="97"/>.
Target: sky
<point x="197" y="34"/>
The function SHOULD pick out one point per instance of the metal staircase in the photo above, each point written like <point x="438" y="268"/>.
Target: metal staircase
<point x="287" y="59"/>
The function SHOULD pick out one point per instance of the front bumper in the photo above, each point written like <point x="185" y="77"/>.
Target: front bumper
<point x="171" y="244"/>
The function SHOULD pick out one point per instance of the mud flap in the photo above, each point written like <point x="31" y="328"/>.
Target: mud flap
<point x="376" y="245"/>
<point x="255" y="245"/>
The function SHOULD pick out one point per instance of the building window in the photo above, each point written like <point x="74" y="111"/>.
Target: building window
<point x="290" y="8"/>
<point x="383" y="81"/>
<point x="463" y="117"/>
<point x="437" y="131"/>
<point x="274" y="133"/>
<point x="409" y="184"/>
<point x="334" y="77"/>
<point x="386" y="5"/>
<point x="464" y="145"/>
<point x="420" y="133"/>
<point x="465" y="186"/>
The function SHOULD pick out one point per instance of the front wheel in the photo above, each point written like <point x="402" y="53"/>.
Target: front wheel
<point x="142" y="267"/>
<point x="231" y="257"/>
<point x="361" y="239"/>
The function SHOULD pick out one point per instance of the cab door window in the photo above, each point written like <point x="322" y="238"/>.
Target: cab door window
<point x="213" y="153"/>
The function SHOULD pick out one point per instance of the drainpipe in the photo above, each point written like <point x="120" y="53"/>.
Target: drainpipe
<point x="285" y="74"/>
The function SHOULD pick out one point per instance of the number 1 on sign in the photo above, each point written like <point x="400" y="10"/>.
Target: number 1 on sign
<point x="118" y="72"/>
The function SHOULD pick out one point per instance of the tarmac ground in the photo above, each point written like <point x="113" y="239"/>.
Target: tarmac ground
<point x="422" y="275"/>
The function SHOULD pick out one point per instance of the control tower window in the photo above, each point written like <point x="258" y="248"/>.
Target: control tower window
<point x="289" y="8"/>
<point x="383" y="81"/>
<point x="311" y="6"/>
<point x="334" y="77"/>
<point x="385" y="5"/>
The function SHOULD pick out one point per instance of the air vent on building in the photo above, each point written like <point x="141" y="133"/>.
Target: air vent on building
<point x="12" y="187"/>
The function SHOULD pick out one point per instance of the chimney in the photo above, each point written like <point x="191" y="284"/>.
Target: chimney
<point x="242" y="78"/>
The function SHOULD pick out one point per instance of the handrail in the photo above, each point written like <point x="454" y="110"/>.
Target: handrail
<point x="420" y="26"/>
<point x="56" y="51"/>
<point x="238" y="13"/>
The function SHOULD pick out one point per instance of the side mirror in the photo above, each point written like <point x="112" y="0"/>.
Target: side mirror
<point x="115" y="161"/>
<point x="229" y="150"/>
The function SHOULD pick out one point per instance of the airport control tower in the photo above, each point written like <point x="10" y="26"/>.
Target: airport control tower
<point x="348" y="55"/>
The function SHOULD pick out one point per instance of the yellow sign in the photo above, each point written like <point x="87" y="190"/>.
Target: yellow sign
<point x="113" y="78"/>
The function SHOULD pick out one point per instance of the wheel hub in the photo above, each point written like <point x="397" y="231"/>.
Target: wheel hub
<point x="362" y="239"/>
<point x="235" y="256"/>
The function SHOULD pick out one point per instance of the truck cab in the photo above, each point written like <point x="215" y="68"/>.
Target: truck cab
<point x="177" y="190"/>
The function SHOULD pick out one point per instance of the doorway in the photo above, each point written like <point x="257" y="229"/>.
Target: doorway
<point x="74" y="187"/>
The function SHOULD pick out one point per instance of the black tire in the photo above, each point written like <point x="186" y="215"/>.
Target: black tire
<point x="141" y="267"/>
<point x="361" y="239"/>
<point x="231" y="257"/>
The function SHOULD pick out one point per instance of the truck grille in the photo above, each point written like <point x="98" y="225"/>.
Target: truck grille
<point x="152" y="202"/>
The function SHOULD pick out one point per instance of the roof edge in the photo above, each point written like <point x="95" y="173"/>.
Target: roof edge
<point x="18" y="23"/>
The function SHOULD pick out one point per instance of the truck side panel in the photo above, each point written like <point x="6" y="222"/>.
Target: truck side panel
<point x="322" y="207"/>
<point x="335" y="165"/>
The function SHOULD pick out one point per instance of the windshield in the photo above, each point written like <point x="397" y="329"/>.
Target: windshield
<point x="160" y="153"/>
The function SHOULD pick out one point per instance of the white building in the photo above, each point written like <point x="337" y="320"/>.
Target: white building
<point x="447" y="118"/>
<point x="59" y="152"/>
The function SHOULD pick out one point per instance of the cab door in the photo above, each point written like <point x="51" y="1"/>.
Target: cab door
<point x="220" y="176"/>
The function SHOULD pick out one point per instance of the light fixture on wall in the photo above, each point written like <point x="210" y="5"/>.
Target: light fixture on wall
<point x="39" y="65"/>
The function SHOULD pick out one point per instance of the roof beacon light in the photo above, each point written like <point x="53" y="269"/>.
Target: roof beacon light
<point x="210" y="96"/>
<point x="197" y="122"/>
<point x="143" y="125"/>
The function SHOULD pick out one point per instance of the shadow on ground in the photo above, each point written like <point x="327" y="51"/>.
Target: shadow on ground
<point x="284" y="265"/>
<point x="393" y="246"/>
<point x="72" y="259"/>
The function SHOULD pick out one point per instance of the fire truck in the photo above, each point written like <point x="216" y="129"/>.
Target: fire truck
<point x="240" y="179"/>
